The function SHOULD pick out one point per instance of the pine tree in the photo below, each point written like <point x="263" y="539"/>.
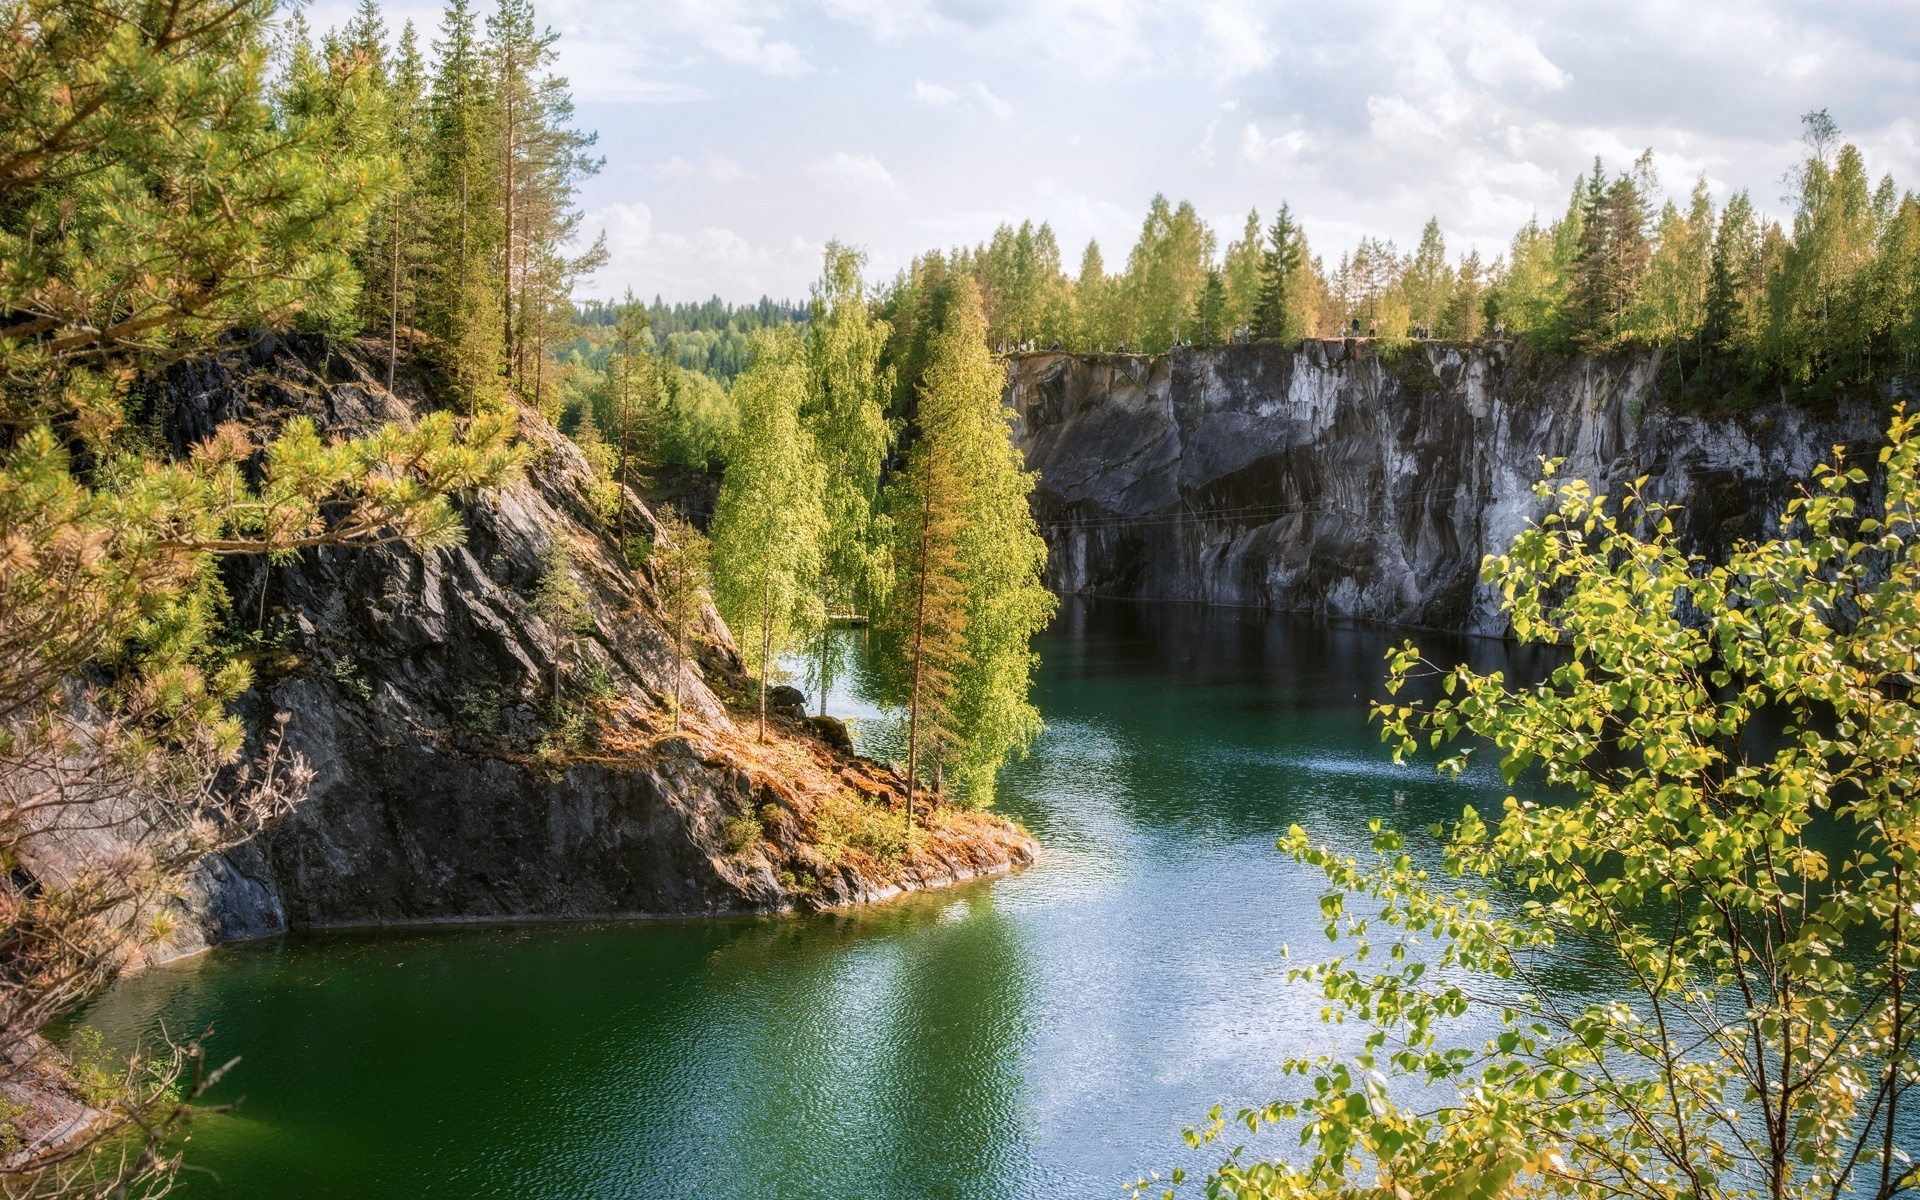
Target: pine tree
<point x="845" y="416"/>
<point x="1283" y="259"/>
<point x="678" y="565"/>
<point x="540" y="160"/>
<point x="634" y="377"/>
<point x="464" y="305"/>
<point x="768" y="525"/>
<point x="395" y="243"/>
<point x="156" y="193"/>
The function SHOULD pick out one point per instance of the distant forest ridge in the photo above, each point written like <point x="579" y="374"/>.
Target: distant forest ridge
<point x="710" y="336"/>
<point x="1747" y="305"/>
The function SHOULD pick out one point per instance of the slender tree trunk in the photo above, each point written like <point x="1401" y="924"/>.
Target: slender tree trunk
<point x="766" y="646"/>
<point x="393" y="296"/>
<point x="539" y="371"/>
<point x="1893" y="1059"/>
<point x="826" y="630"/>
<point x="506" y="289"/>
<point x="679" y="664"/>
<point x="913" y="699"/>
<point x="626" y="422"/>
<point x="465" y="368"/>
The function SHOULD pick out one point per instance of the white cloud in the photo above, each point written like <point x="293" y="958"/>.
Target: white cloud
<point x="1257" y="149"/>
<point x="1499" y="55"/>
<point x="1367" y="117"/>
<point x="994" y="104"/>
<point x="708" y="261"/>
<point x="934" y="94"/>
<point x="859" y="176"/>
<point x="710" y="166"/>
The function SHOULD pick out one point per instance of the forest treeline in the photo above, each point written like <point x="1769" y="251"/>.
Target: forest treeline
<point x="1826" y="297"/>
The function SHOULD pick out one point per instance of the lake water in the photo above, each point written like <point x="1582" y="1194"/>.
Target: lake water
<point x="1047" y="1034"/>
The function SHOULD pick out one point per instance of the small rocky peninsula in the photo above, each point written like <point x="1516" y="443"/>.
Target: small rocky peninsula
<point x="1335" y="479"/>
<point x="451" y="782"/>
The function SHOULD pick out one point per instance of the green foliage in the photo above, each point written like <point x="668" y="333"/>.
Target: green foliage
<point x="1241" y="274"/>
<point x="850" y="822"/>
<point x="1725" y="810"/>
<point x="711" y="338"/>
<point x="1277" y="313"/>
<point x="699" y="420"/>
<point x="1210" y="311"/>
<point x="346" y="673"/>
<point x="846" y="418"/>
<point x="740" y="832"/>
<point x="1026" y="297"/>
<point x="769" y="524"/>
<point x="156" y="193"/>
<point x="1165" y="275"/>
<point x="679" y="565"/>
<point x="562" y="605"/>
<point x="956" y="634"/>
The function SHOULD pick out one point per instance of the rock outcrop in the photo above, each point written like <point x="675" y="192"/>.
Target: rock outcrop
<point x="452" y="781"/>
<point x="1333" y="480"/>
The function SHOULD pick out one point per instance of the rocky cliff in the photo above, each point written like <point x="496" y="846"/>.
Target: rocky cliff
<point x="452" y="780"/>
<point x="1335" y="480"/>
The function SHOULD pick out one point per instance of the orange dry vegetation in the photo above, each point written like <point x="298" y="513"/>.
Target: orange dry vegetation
<point x="830" y="828"/>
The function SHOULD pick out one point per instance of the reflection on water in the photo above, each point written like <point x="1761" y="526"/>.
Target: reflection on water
<point x="1047" y="1034"/>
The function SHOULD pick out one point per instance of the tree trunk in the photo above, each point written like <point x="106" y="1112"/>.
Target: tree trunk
<point x="766" y="647"/>
<point x="826" y="631"/>
<point x="913" y="700"/>
<point x="506" y="285"/>
<point x="679" y="666"/>
<point x="393" y="296"/>
<point x="626" y="422"/>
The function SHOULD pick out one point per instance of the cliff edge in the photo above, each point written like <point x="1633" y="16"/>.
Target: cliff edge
<point x="451" y="781"/>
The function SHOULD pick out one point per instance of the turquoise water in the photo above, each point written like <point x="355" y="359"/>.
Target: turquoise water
<point x="1046" y="1034"/>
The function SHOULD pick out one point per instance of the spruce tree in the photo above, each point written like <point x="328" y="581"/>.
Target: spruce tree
<point x="1284" y="258"/>
<point x="768" y="525"/>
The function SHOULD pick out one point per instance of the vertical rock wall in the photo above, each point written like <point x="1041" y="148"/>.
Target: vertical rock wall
<point x="1332" y="480"/>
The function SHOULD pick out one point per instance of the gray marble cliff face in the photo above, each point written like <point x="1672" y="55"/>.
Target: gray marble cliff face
<point x="1331" y="481"/>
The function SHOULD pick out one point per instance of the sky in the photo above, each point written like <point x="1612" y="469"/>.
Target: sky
<point x="739" y="136"/>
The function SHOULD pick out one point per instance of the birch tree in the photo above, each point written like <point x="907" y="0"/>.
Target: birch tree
<point x="846" y="389"/>
<point x="769" y="524"/>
